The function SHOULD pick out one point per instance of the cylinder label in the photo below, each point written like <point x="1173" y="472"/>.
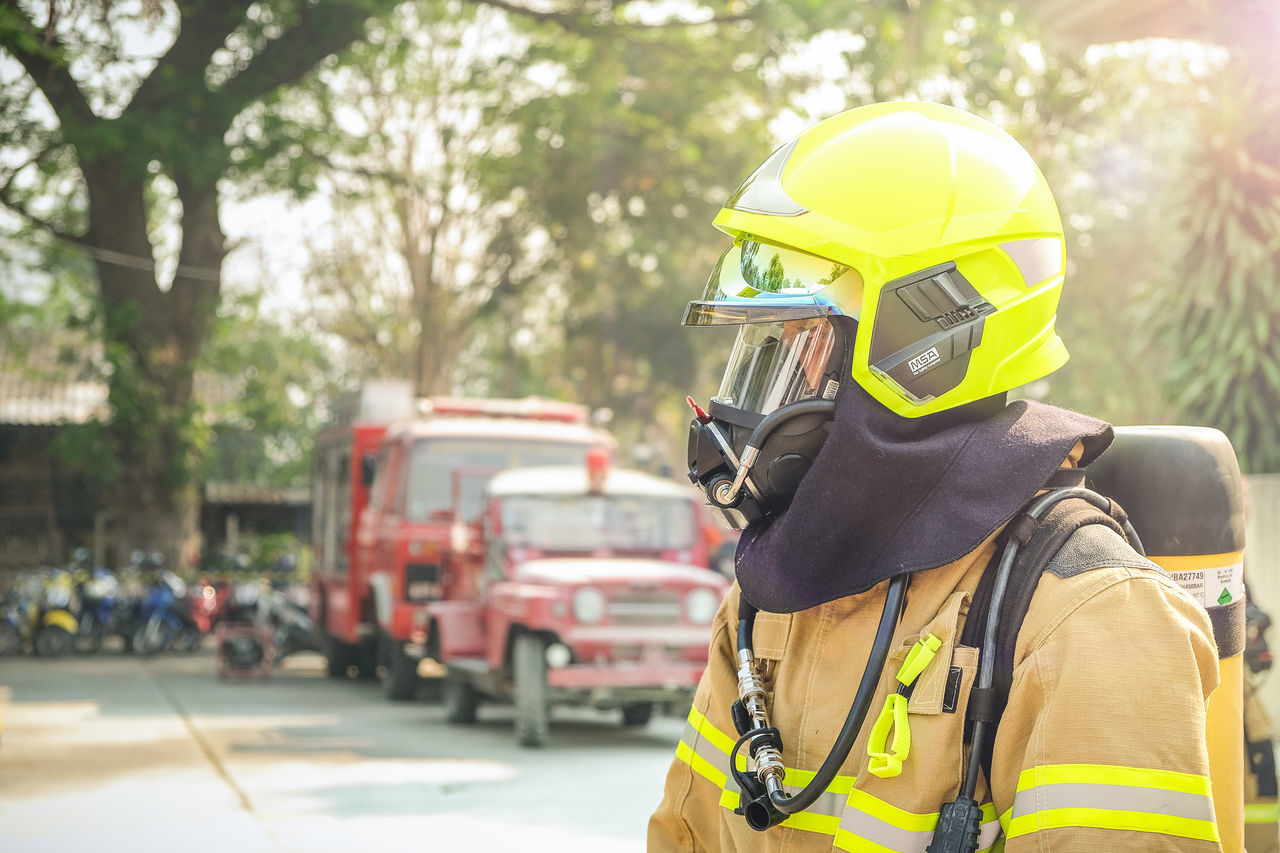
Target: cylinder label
<point x="1213" y="587"/>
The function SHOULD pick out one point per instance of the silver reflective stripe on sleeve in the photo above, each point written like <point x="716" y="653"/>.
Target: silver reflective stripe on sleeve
<point x="1084" y="796"/>
<point x="1109" y="796"/>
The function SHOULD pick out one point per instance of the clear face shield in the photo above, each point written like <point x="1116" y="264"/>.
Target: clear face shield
<point x="773" y="364"/>
<point x="773" y="411"/>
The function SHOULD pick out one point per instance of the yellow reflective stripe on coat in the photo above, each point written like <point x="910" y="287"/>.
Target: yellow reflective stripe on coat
<point x="1106" y="796"/>
<point x="1262" y="812"/>
<point x="854" y="819"/>
<point x="873" y="825"/>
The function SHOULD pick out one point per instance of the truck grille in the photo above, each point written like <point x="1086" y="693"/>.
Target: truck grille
<point x="644" y="606"/>
<point x="422" y="581"/>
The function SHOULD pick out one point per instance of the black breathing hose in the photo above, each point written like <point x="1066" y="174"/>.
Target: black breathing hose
<point x="987" y="661"/>
<point x="805" y="797"/>
<point x="813" y="406"/>
<point x="960" y="821"/>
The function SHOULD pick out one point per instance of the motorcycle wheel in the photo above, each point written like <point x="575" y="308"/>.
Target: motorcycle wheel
<point x="150" y="638"/>
<point x="53" y="642"/>
<point x="188" y="640"/>
<point x="10" y="639"/>
<point x="89" y="637"/>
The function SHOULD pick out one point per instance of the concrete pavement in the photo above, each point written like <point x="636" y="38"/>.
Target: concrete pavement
<point x="119" y="754"/>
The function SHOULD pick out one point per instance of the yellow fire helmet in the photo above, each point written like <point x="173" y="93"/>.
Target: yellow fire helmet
<point x="931" y="227"/>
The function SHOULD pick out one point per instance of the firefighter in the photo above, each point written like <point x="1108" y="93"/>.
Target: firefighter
<point x="894" y="272"/>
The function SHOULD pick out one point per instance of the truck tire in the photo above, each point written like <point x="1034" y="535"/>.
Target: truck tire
<point x="399" y="671"/>
<point x="533" y="711"/>
<point x="637" y="714"/>
<point x="460" y="699"/>
<point x="365" y="657"/>
<point x="337" y="657"/>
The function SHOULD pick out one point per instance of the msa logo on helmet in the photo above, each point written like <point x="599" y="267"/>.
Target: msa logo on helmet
<point x="925" y="326"/>
<point x="924" y="361"/>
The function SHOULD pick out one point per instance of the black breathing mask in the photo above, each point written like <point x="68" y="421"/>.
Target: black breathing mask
<point x="749" y="463"/>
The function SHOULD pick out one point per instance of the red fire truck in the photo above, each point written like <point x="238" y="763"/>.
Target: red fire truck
<point x="393" y="484"/>
<point x="592" y="588"/>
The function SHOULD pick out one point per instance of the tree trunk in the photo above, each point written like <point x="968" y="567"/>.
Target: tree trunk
<point x="153" y="338"/>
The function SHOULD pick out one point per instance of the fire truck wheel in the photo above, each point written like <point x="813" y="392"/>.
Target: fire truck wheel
<point x="460" y="699"/>
<point x="637" y="715"/>
<point x="399" y="671"/>
<point x="337" y="657"/>
<point x="533" y="713"/>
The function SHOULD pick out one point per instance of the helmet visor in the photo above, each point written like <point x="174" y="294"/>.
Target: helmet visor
<point x="757" y="282"/>
<point x="776" y="363"/>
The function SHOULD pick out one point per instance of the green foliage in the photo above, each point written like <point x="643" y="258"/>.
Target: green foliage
<point x="263" y="383"/>
<point x="607" y="148"/>
<point x="622" y="166"/>
<point x="522" y="200"/>
<point x="1218" y="321"/>
<point x="631" y="127"/>
<point x="86" y="129"/>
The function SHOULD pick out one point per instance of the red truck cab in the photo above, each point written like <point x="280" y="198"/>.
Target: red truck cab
<point x="590" y="591"/>
<point x="390" y="506"/>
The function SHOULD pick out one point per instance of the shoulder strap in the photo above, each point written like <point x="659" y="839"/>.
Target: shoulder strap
<point x="1049" y="544"/>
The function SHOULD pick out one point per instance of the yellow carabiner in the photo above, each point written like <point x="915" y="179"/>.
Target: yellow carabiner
<point x="887" y="756"/>
<point x="920" y="656"/>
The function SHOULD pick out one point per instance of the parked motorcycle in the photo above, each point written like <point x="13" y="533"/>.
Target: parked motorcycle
<point x="13" y="623"/>
<point x="55" y="625"/>
<point x="244" y="639"/>
<point x="291" y="627"/>
<point x="98" y="592"/>
<point x="165" y="619"/>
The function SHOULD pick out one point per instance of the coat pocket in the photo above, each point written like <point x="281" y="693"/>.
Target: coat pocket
<point x="932" y="714"/>
<point x="770" y="634"/>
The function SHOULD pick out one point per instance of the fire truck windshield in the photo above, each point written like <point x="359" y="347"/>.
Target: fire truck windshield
<point x="434" y="462"/>
<point x="591" y="522"/>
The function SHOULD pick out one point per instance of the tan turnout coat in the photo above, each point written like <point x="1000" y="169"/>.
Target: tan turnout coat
<point x="1101" y="747"/>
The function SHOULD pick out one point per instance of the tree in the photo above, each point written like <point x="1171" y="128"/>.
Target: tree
<point x="433" y="143"/>
<point x="396" y="137"/>
<point x="264" y="384"/>
<point x="628" y="167"/>
<point x="619" y="170"/>
<point x="1218" y="314"/>
<point x="121" y="154"/>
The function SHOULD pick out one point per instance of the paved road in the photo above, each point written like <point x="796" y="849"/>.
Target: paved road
<point x="116" y="754"/>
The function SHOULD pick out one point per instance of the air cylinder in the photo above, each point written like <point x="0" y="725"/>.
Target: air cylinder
<point x="1181" y="487"/>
